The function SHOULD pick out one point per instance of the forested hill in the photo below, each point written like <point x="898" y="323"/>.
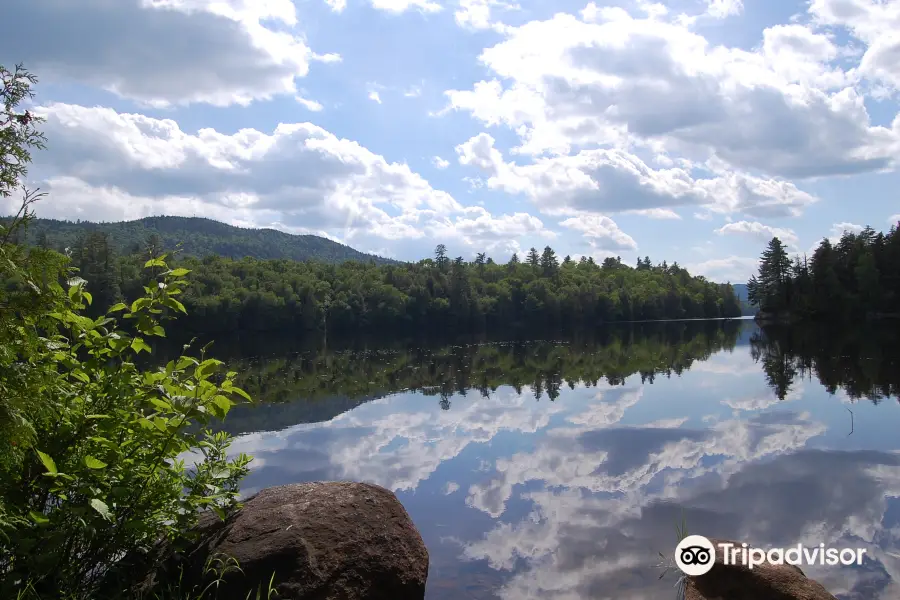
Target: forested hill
<point x="199" y="237"/>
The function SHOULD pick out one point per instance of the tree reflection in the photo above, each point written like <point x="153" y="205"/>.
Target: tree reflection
<point x="863" y="361"/>
<point x="315" y="386"/>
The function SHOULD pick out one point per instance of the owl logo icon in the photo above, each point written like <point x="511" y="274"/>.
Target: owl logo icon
<point x="695" y="555"/>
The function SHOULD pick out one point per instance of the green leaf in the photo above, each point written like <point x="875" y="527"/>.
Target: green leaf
<point x="138" y="344"/>
<point x="139" y="304"/>
<point x="180" y="272"/>
<point x="101" y="507"/>
<point x="175" y="304"/>
<point x="155" y="262"/>
<point x="241" y="393"/>
<point x="87" y="296"/>
<point x="48" y="462"/>
<point x="117" y="307"/>
<point x="80" y="376"/>
<point x="207" y="367"/>
<point x="220" y="473"/>
<point x="93" y="463"/>
<point x="185" y="361"/>
<point x="222" y="402"/>
<point x="118" y="343"/>
<point x="38" y="518"/>
<point x="161" y="404"/>
<point x="158" y="330"/>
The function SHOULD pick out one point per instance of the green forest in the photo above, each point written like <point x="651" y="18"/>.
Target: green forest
<point x="194" y="236"/>
<point x="858" y="277"/>
<point x="256" y="295"/>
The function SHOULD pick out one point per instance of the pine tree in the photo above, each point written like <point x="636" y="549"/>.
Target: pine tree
<point x="479" y="261"/>
<point x="534" y="258"/>
<point x="773" y="288"/>
<point x="440" y="256"/>
<point x="548" y="262"/>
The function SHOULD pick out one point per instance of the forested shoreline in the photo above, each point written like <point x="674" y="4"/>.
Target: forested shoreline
<point x="440" y="293"/>
<point x="858" y="277"/>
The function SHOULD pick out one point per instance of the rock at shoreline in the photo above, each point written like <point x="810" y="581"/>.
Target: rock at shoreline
<point x="323" y="541"/>
<point x="763" y="582"/>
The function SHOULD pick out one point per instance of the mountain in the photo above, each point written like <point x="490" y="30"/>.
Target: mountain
<point x="740" y="290"/>
<point x="201" y="237"/>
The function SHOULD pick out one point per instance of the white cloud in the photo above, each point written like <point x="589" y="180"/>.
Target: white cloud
<point x="310" y="105"/>
<point x="476" y="14"/>
<point x="894" y="219"/>
<point x="838" y="229"/>
<point x="724" y="8"/>
<point x="299" y="174"/>
<point x="622" y="81"/>
<point x="440" y="163"/>
<point x="399" y="6"/>
<point x="735" y="269"/>
<point x="657" y="213"/>
<point x="337" y="5"/>
<point x="759" y="231"/>
<point x="607" y="181"/>
<point x="482" y="231"/>
<point x="224" y="54"/>
<point x="602" y="230"/>
<point x="104" y="165"/>
<point x="375" y="97"/>
<point x="875" y="23"/>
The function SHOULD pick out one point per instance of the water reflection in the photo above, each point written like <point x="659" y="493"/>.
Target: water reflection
<point x="862" y="362"/>
<point x="742" y="432"/>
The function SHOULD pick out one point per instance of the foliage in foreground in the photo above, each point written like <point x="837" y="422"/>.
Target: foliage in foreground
<point x="92" y="446"/>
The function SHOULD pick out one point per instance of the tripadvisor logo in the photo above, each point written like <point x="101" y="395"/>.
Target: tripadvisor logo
<point x="695" y="555"/>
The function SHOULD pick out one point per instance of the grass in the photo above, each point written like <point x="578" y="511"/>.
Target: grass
<point x="218" y="566"/>
<point x="668" y="563"/>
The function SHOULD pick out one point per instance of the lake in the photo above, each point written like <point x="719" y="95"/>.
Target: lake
<point x="559" y="469"/>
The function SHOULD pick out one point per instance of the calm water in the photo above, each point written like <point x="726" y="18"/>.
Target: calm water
<point x="560" y="469"/>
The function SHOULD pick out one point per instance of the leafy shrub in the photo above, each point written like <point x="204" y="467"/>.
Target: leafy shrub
<point x="100" y="457"/>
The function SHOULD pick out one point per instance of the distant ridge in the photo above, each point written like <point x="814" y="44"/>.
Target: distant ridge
<point x="741" y="290"/>
<point x="202" y="237"/>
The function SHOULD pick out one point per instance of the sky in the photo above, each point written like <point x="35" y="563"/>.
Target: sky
<point x="688" y="130"/>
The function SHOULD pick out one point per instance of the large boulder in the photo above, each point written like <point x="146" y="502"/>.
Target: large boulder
<point x="322" y="541"/>
<point x="763" y="582"/>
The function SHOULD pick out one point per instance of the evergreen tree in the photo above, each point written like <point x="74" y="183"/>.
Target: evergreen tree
<point x="549" y="264"/>
<point x="534" y="258"/>
<point x="854" y="278"/>
<point x="440" y="256"/>
<point x="480" y="260"/>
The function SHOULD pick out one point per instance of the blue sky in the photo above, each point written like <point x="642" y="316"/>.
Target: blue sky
<point x="690" y="130"/>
